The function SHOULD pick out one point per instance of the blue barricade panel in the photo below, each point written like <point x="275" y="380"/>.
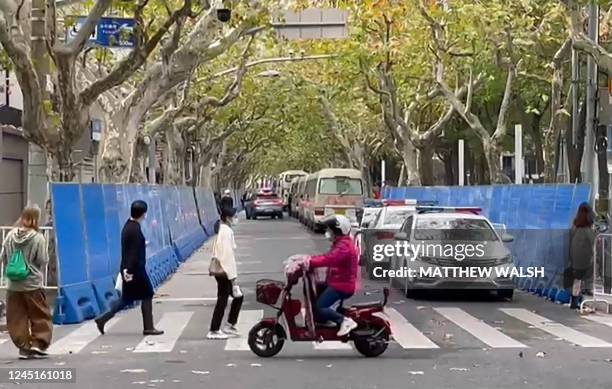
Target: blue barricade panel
<point x="76" y="299"/>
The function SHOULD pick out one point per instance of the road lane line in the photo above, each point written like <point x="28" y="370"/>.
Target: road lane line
<point x="246" y="321"/>
<point x="406" y="334"/>
<point x="554" y="328"/>
<point x="601" y="319"/>
<point x="482" y="331"/>
<point x="173" y="324"/>
<point x="78" y="339"/>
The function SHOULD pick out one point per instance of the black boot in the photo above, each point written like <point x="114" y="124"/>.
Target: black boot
<point x="574" y="302"/>
<point x="146" y="308"/>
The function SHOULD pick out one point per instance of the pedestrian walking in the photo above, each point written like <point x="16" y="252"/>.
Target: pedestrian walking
<point x="223" y="268"/>
<point x="582" y="239"/>
<point x="28" y="317"/>
<point x="136" y="285"/>
<point x="227" y="201"/>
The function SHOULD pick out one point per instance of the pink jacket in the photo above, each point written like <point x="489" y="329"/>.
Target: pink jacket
<point x="343" y="263"/>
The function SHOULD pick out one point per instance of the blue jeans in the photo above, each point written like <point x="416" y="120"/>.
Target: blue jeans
<point x="329" y="297"/>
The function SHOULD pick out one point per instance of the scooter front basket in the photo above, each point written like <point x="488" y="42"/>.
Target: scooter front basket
<point x="268" y="291"/>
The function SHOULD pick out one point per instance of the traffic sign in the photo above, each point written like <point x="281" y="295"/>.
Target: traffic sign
<point x="109" y="32"/>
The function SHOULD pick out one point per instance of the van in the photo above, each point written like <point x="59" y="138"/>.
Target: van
<point x="332" y="191"/>
<point x="284" y="186"/>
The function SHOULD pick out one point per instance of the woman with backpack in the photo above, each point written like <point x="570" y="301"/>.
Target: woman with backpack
<point x="28" y="317"/>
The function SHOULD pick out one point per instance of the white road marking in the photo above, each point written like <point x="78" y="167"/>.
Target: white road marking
<point x="484" y="332"/>
<point x="246" y="321"/>
<point x="78" y="339"/>
<point x="332" y="345"/>
<point x="173" y="324"/>
<point x="406" y="334"/>
<point x="554" y="328"/>
<point x="248" y="262"/>
<point x="180" y="299"/>
<point x="2" y="341"/>
<point x="601" y="319"/>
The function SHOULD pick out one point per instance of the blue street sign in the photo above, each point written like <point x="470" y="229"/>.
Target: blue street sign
<point x="109" y="32"/>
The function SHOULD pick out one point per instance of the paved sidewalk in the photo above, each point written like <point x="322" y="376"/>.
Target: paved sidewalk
<point x="191" y="281"/>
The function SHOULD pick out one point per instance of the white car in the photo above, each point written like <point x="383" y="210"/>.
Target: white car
<point x="382" y="229"/>
<point x="428" y="235"/>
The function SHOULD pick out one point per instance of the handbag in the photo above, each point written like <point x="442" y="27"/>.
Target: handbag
<point x="215" y="268"/>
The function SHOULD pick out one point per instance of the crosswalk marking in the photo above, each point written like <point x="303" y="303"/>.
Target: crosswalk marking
<point x="554" y="328"/>
<point x="78" y="339"/>
<point x="246" y="321"/>
<point x="173" y="324"/>
<point x="484" y="332"/>
<point x="406" y="334"/>
<point x="332" y="345"/>
<point x="601" y="319"/>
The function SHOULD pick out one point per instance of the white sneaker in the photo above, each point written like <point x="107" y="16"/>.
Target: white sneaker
<point x="347" y="326"/>
<point x="217" y="335"/>
<point x="231" y="330"/>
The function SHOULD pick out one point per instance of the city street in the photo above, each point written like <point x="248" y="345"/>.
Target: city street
<point x="441" y="341"/>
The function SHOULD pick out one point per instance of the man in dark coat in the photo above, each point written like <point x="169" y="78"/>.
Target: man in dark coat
<point x="227" y="202"/>
<point x="136" y="283"/>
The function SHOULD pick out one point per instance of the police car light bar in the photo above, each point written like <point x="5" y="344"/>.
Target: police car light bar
<point x="433" y="209"/>
<point x="409" y="202"/>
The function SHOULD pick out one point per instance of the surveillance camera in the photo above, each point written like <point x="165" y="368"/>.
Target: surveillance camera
<point x="224" y="14"/>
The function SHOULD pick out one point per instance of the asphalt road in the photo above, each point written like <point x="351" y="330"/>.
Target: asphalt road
<point x="460" y="341"/>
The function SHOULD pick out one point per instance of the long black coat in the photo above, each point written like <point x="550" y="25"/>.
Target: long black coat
<point x="133" y="258"/>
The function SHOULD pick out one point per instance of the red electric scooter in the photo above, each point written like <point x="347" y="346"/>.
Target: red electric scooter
<point x="266" y="338"/>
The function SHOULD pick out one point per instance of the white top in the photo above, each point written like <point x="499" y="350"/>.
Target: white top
<point x="223" y="250"/>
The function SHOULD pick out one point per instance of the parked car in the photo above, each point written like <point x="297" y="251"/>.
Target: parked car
<point x="381" y="230"/>
<point x="457" y="227"/>
<point x="265" y="203"/>
<point x="364" y="217"/>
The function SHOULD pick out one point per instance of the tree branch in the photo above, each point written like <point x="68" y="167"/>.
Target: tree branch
<point x="137" y="56"/>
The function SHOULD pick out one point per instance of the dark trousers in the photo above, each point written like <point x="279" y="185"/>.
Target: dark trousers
<point x="146" y="307"/>
<point x="224" y="290"/>
<point x="329" y="297"/>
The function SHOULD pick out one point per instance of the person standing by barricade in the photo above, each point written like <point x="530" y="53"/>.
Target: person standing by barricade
<point x="28" y="317"/>
<point x="582" y="239"/>
<point x="136" y="284"/>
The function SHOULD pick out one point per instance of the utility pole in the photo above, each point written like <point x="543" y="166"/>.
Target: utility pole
<point x="519" y="169"/>
<point x="589" y="162"/>
<point x="461" y="164"/>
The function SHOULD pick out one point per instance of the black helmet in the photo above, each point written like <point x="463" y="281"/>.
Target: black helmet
<point x="339" y="224"/>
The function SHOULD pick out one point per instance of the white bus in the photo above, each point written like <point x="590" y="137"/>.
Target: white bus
<point x="284" y="186"/>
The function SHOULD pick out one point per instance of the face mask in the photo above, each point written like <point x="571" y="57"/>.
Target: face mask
<point x="329" y="235"/>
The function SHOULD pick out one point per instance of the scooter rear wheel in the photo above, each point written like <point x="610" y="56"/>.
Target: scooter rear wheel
<point x="266" y="339"/>
<point x="370" y="346"/>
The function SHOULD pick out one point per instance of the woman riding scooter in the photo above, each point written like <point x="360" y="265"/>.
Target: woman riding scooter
<point x="343" y="263"/>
